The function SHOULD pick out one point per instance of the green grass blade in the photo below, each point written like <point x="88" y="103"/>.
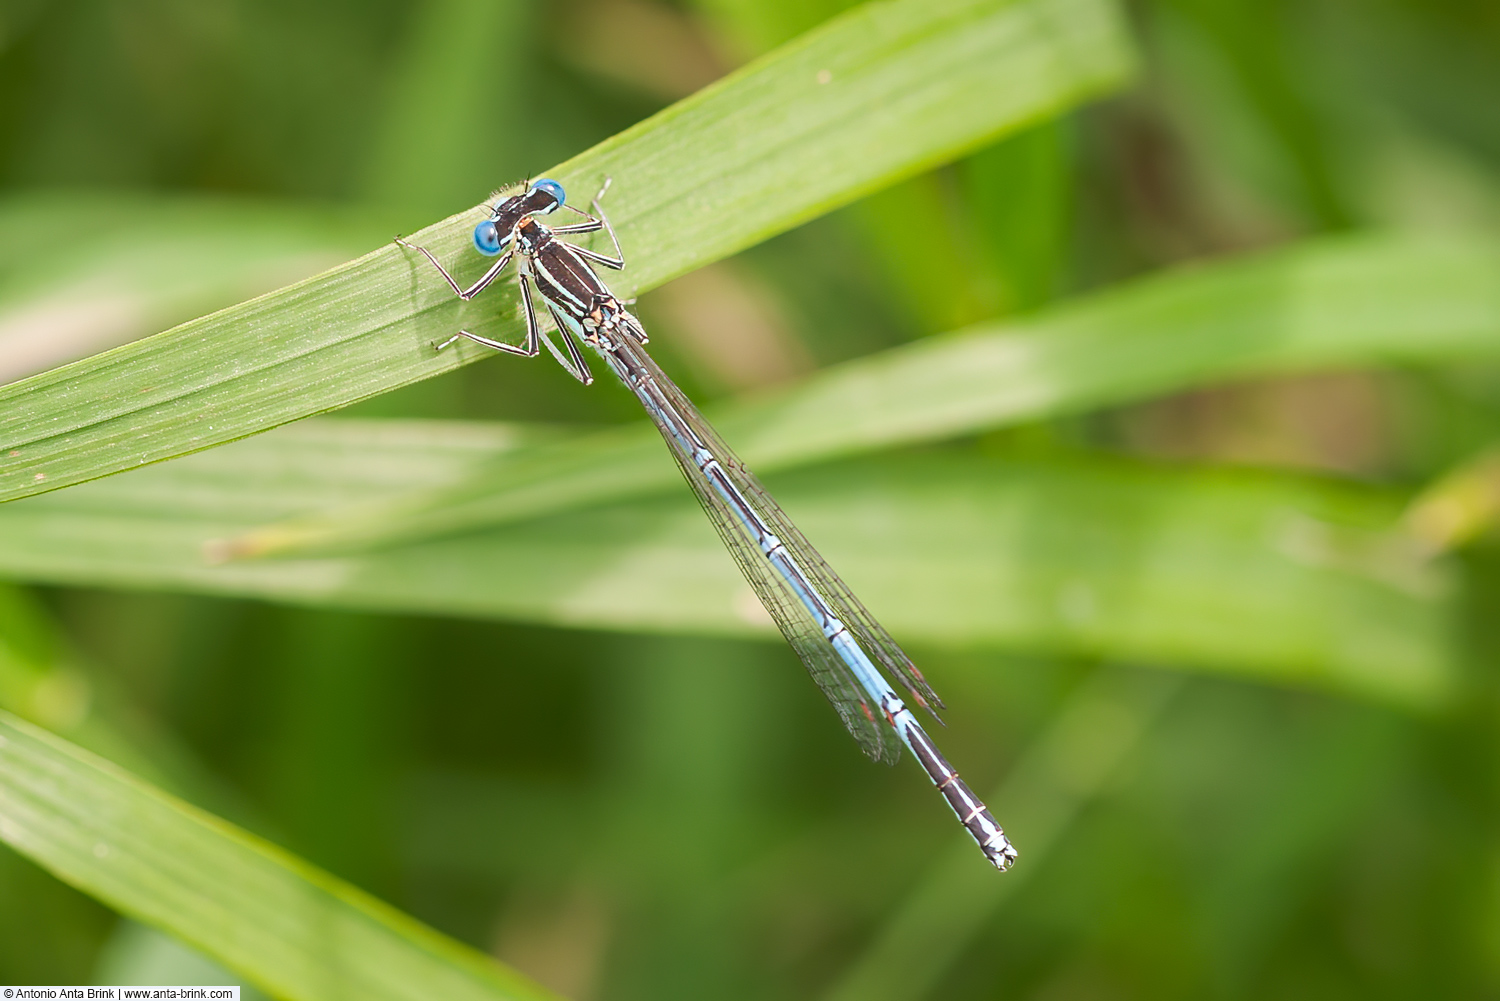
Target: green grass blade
<point x="151" y="261"/>
<point x="909" y="84"/>
<point x="461" y="62"/>
<point x="290" y="927"/>
<point x="42" y="683"/>
<point x="136" y="954"/>
<point x="1279" y="578"/>
<point x="45" y="682"/>
<point x="1340" y="302"/>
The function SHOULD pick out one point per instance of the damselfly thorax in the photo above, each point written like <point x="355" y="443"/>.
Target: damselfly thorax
<point x="571" y="289"/>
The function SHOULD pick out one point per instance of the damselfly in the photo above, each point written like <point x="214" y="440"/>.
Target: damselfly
<point x="838" y="640"/>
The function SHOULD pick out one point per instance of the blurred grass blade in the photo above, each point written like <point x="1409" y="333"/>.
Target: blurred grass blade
<point x="1460" y="507"/>
<point x="42" y="681"/>
<point x="1337" y="302"/>
<point x="138" y="954"/>
<point x="1275" y="577"/>
<point x="878" y="94"/>
<point x="1095" y="732"/>
<point x="290" y="927"/>
<point x="461" y="62"/>
<point x="150" y="261"/>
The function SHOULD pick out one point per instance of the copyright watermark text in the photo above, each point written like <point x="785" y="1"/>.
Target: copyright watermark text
<point x="205" y="993"/>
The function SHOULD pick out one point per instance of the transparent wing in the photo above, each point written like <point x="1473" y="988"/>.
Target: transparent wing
<point x="832" y="675"/>
<point x="870" y="633"/>
<point x="828" y="670"/>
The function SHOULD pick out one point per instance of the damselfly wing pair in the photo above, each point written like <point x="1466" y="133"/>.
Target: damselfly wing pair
<point x="843" y="646"/>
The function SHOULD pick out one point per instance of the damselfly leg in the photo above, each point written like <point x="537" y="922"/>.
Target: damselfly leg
<point x="594" y="224"/>
<point x="488" y="239"/>
<point x="463" y="293"/>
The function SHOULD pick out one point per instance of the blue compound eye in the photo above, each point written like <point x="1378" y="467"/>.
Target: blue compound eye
<point x="487" y="238"/>
<point x="552" y="188"/>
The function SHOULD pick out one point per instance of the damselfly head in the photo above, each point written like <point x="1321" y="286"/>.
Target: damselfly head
<point x="542" y="197"/>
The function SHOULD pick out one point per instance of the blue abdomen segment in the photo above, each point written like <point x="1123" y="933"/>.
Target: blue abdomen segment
<point x="851" y="653"/>
<point x="704" y="469"/>
<point x="969" y="809"/>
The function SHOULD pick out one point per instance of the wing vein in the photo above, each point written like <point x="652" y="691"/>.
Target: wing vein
<point x="663" y="400"/>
